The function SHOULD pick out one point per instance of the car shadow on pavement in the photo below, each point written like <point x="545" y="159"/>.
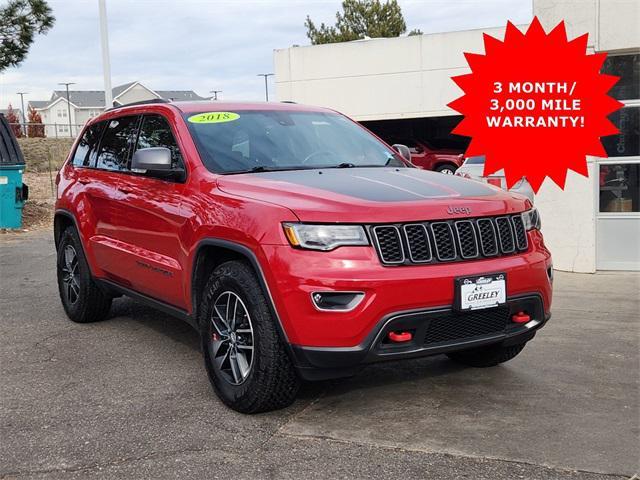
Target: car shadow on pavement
<point x="371" y="376"/>
<point x="148" y="317"/>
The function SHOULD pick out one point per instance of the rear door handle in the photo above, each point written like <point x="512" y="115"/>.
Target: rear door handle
<point x="84" y="181"/>
<point x="126" y="191"/>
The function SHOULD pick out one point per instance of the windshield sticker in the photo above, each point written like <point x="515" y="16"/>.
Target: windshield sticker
<point x="214" y="117"/>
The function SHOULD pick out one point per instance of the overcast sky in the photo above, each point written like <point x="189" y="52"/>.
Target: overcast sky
<point x="204" y="45"/>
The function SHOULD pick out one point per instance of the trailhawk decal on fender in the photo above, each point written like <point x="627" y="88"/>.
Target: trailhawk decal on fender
<point x="214" y="117"/>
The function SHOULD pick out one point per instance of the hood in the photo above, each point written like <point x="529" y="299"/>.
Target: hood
<point x="372" y="195"/>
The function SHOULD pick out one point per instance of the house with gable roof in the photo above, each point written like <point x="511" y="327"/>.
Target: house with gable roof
<point x="86" y="104"/>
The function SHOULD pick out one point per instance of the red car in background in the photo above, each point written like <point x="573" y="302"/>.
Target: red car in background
<point x="425" y="156"/>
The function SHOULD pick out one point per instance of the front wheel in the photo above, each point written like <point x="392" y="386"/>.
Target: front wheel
<point x="446" y="169"/>
<point x="245" y="357"/>
<point x="487" y="356"/>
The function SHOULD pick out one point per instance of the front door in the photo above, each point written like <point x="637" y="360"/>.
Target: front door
<point x="152" y="220"/>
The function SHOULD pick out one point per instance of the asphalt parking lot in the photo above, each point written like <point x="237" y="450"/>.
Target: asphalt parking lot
<point x="129" y="398"/>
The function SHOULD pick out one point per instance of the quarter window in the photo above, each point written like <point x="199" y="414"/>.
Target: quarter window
<point x="86" y="150"/>
<point x="116" y="144"/>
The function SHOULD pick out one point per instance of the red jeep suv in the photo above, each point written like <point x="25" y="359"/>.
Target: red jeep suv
<point x="298" y="245"/>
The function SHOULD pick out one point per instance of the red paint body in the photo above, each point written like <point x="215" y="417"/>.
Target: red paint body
<point x="133" y="227"/>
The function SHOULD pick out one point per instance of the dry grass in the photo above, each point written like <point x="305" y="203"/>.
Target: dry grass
<point x="41" y="186"/>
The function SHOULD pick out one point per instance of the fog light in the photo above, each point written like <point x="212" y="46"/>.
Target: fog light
<point x="336" y="301"/>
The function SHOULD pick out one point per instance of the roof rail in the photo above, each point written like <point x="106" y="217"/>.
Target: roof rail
<point x="141" y="102"/>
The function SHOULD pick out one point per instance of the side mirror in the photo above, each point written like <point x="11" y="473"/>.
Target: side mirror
<point x="403" y="150"/>
<point x="153" y="159"/>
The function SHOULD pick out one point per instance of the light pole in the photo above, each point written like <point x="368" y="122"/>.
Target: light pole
<point x="24" y="118"/>
<point x="266" y="87"/>
<point x="215" y="93"/>
<point x="66" y="84"/>
<point x="106" y="63"/>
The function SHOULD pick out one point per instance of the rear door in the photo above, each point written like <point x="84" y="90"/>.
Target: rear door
<point x="152" y="220"/>
<point x="103" y="192"/>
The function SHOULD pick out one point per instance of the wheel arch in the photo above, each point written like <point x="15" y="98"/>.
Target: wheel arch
<point x="211" y="252"/>
<point x="445" y="163"/>
<point x="61" y="221"/>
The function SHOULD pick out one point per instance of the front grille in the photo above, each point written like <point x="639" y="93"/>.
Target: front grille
<point x="418" y="241"/>
<point x="389" y="244"/>
<point x="443" y="236"/>
<point x="450" y="240"/>
<point x="461" y="326"/>
<point x="505" y="235"/>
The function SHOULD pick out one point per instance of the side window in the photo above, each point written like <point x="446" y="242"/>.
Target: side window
<point x="116" y="143"/>
<point x="156" y="132"/>
<point x="86" y="150"/>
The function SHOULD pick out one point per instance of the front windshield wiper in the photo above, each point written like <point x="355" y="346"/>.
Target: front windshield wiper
<point x="262" y="168"/>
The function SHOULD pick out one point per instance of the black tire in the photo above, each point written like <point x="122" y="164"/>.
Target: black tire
<point x="446" y="169"/>
<point x="271" y="382"/>
<point x="487" y="356"/>
<point x="84" y="301"/>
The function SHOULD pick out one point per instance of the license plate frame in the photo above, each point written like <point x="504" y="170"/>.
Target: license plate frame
<point x="485" y="283"/>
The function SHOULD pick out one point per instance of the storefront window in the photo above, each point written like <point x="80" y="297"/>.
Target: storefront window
<point x="627" y="142"/>
<point x="620" y="187"/>
<point x="627" y="67"/>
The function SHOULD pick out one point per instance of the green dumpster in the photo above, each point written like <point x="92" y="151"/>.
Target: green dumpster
<point x="13" y="193"/>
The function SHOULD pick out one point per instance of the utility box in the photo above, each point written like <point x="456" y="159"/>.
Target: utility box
<point x="13" y="193"/>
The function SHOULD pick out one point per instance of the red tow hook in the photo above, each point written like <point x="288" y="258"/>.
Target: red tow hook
<point x="521" y="317"/>
<point x="400" y="337"/>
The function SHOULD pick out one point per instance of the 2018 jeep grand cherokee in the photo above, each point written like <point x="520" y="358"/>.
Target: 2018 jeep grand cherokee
<point x="295" y="242"/>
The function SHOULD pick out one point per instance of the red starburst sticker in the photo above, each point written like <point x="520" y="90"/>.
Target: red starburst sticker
<point x="535" y="104"/>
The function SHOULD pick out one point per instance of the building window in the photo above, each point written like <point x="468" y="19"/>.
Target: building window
<point x="627" y="142"/>
<point x="627" y="67"/>
<point x="619" y="185"/>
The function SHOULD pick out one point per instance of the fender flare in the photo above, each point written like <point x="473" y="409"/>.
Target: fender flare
<point x="247" y="253"/>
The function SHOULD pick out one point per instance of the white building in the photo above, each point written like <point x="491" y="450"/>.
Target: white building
<point x="85" y="104"/>
<point x="592" y="224"/>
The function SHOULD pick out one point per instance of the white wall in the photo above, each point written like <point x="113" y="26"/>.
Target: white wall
<point x="612" y="25"/>
<point x="387" y="78"/>
<point x="568" y="221"/>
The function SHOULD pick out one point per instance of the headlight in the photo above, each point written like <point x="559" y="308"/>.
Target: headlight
<point x="324" y="237"/>
<point x="531" y="219"/>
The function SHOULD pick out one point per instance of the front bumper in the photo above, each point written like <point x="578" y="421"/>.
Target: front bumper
<point x="434" y="331"/>
<point x="293" y="275"/>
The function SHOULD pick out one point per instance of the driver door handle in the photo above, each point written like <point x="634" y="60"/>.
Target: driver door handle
<point x="125" y="190"/>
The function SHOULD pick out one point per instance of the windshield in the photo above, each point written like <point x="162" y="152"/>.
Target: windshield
<point x="475" y="160"/>
<point x="245" y="141"/>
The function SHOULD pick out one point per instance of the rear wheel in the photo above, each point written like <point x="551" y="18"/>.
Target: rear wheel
<point x="245" y="357"/>
<point x="487" y="356"/>
<point x="83" y="300"/>
<point x="446" y="169"/>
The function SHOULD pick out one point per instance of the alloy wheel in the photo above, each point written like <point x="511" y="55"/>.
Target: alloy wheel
<point x="70" y="275"/>
<point x="232" y="341"/>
